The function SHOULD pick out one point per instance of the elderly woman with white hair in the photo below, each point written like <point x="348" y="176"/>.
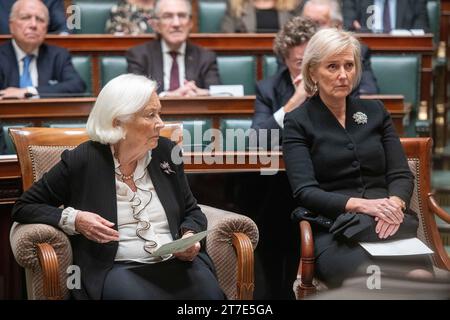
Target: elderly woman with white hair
<point x="347" y="167"/>
<point x="123" y="197"/>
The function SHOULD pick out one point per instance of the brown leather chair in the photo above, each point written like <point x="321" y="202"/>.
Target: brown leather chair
<point x="418" y="152"/>
<point x="45" y="251"/>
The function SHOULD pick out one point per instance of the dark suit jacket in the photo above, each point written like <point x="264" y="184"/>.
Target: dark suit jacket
<point x="85" y="179"/>
<point x="411" y="14"/>
<point x="56" y="74"/>
<point x="327" y="164"/>
<point x="57" y="23"/>
<point x="200" y="64"/>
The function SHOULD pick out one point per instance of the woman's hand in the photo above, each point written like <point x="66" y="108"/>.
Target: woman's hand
<point x="190" y="253"/>
<point x="95" y="228"/>
<point x="386" y="209"/>
<point x="385" y="229"/>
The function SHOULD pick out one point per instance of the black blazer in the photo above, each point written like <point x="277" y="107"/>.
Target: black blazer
<point x="85" y="179"/>
<point x="200" y="64"/>
<point x="56" y="11"/>
<point x="411" y="14"/>
<point x="327" y="164"/>
<point x="56" y="74"/>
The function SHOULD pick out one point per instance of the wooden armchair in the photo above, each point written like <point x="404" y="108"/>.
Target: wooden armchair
<point x="45" y="252"/>
<point x="418" y="152"/>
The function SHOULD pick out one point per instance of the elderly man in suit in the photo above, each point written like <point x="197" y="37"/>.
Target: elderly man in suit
<point x="28" y="67"/>
<point x="179" y="67"/>
<point x="385" y="15"/>
<point x="57" y="23"/>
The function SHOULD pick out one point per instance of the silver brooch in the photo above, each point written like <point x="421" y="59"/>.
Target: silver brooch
<point x="166" y="167"/>
<point x="360" y="118"/>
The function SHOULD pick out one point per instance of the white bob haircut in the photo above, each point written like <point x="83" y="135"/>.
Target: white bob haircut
<point x="120" y="99"/>
<point x="323" y="44"/>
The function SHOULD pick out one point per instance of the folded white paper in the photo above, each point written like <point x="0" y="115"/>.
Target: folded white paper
<point x="235" y="90"/>
<point x="404" y="247"/>
<point x="180" y="244"/>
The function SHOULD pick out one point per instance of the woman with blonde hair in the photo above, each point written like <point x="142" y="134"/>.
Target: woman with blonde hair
<point x="262" y="16"/>
<point x="347" y="167"/>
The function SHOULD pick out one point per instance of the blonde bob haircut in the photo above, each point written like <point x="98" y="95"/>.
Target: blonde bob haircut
<point x="119" y="100"/>
<point x="326" y="43"/>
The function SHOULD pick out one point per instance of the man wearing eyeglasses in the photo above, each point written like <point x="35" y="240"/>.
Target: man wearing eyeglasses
<point x="179" y="67"/>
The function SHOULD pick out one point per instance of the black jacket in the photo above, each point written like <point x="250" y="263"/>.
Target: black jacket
<point x="56" y="74"/>
<point x="85" y="179"/>
<point x="411" y="14"/>
<point x="327" y="164"/>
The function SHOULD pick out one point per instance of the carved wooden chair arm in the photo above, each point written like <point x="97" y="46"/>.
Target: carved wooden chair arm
<point x="45" y="253"/>
<point x="441" y="213"/>
<point x="230" y="245"/>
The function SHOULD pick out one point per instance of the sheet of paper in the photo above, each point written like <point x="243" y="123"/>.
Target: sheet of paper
<point x="403" y="247"/>
<point x="180" y="244"/>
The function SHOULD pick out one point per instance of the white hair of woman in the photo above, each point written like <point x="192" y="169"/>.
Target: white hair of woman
<point x="119" y="100"/>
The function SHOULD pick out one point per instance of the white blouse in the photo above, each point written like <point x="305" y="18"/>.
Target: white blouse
<point x="139" y="212"/>
<point x="136" y="211"/>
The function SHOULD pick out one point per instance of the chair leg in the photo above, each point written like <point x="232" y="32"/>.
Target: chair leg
<point x="50" y="269"/>
<point x="245" y="266"/>
<point x="306" y="266"/>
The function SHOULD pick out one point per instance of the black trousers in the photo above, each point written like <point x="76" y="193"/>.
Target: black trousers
<point x="169" y="280"/>
<point x="337" y="260"/>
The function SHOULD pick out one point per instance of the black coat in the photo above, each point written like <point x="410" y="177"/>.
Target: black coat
<point x="56" y="74"/>
<point x="200" y="64"/>
<point x="411" y="14"/>
<point x="327" y="164"/>
<point x="85" y="180"/>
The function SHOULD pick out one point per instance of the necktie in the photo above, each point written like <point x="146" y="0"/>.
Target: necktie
<point x="174" y="73"/>
<point x="386" y="17"/>
<point x="25" y="78"/>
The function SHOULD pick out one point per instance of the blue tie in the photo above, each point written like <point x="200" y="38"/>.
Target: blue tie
<point x="25" y="78"/>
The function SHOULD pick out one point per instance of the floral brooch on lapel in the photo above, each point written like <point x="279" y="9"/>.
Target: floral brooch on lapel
<point x="360" y="117"/>
<point x="166" y="167"/>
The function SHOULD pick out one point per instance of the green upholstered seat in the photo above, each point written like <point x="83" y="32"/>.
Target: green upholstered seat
<point x="194" y="137"/>
<point x="400" y="74"/>
<point x="238" y="70"/>
<point x="210" y="15"/>
<point x="10" y="149"/>
<point x="94" y="14"/>
<point x="83" y="66"/>
<point x="234" y="133"/>
<point x="111" y="67"/>
<point x="270" y="66"/>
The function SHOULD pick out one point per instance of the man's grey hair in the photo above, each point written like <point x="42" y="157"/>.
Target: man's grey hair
<point x="158" y="3"/>
<point x="15" y="8"/>
<point x="335" y="9"/>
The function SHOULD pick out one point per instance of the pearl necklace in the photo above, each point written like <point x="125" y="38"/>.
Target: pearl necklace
<point x="124" y="177"/>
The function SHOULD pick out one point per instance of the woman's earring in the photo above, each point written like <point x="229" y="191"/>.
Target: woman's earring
<point x="315" y="88"/>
